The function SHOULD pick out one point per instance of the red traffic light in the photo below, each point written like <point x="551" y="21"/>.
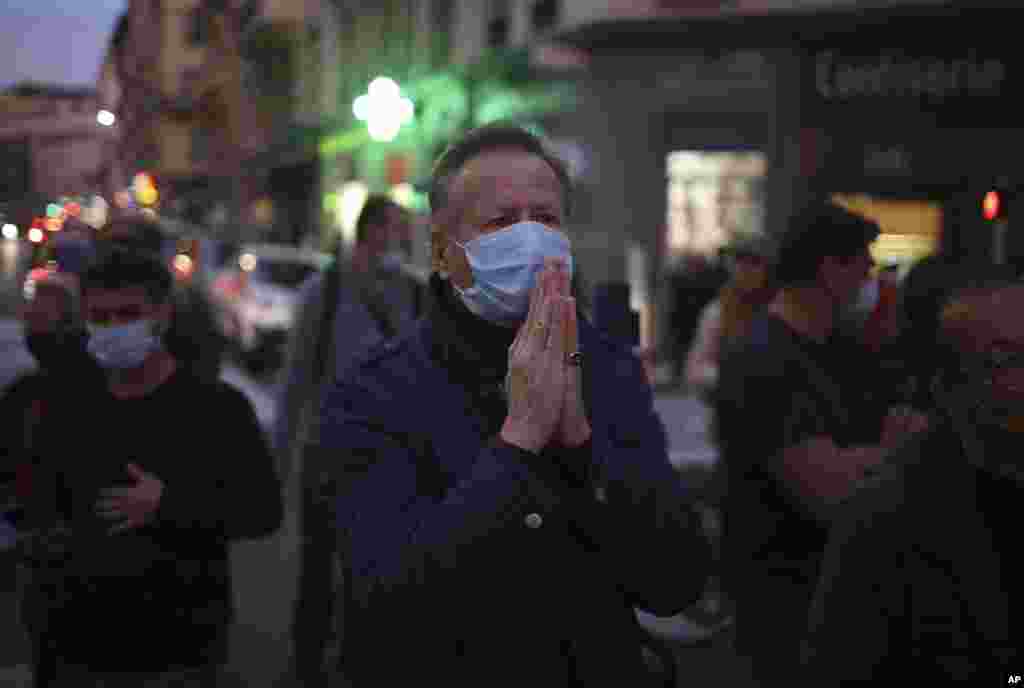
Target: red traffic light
<point x="992" y="205"/>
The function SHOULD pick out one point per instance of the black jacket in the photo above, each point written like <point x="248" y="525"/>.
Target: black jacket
<point x="476" y="563"/>
<point x="913" y="582"/>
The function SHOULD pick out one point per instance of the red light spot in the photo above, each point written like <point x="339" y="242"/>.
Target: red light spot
<point x="991" y="205"/>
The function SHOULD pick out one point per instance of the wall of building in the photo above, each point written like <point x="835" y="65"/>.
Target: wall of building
<point x="65" y="142"/>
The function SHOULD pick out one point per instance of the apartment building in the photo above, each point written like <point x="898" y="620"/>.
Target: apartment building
<point x="208" y="93"/>
<point x="50" y="147"/>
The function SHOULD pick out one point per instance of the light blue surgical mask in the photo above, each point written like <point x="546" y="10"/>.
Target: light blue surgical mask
<point x="121" y="347"/>
<point x="505" y="265"/>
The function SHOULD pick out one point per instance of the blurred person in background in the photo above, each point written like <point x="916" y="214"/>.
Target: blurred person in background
<point x="55" y="336"/>
<point x="922" y="294"/>
<point x="194" y="337"/>
<point x="922" y="574"/>
<point x="725" y="320"/>
<point x="510" y="500"/>
<point x="148" y="488"/>
<point x="343" y="312"/>
<point x="796" y="433"/>
<point x="695" y="284"/>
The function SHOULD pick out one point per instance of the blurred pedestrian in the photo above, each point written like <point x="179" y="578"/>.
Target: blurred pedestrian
<point x="796" y="433"/>
<point x="55" y="337"/>
<point x="922" y="574"/>
<point x="919" y="303"/>
<point x="343" y="312"/>
<point x="694" y="285"/>
<point x="145" y="488"/>
<point x="511" y="500"/>
<point x="725" y="321"/>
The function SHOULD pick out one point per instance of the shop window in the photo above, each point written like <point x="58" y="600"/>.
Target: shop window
<point x="714" y="198"/>
<point x="544" y="14"/>
<point x="911" y="229"/>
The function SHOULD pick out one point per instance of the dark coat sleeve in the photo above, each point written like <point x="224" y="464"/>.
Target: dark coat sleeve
<point x="644" y="524"/>
<point x="404" y="539"/>
<point x="240" y="497"/>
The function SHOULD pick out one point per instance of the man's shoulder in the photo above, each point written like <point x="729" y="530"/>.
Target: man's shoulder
<point x="389" y="359"/>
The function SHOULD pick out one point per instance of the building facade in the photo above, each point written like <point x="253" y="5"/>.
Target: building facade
<point x="704" y="120"/>
<point x="51" y="147"/>
<point x="207" y="94"/>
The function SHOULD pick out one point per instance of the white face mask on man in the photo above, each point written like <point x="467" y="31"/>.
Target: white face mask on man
<point x="505" y="265"/>
<point x="122" y="347"/>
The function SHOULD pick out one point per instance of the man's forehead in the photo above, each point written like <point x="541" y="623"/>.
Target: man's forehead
<point x="501" y="175"/>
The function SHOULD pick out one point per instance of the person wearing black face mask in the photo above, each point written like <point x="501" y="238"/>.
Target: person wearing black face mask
<point x="55" y="337"/>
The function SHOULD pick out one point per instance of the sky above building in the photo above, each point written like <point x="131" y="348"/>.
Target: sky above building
<point x="55" y="41"/>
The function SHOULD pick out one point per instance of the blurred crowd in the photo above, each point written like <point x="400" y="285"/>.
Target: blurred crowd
<point x="482" y="483"/>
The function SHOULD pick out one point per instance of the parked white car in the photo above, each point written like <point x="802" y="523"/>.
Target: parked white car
<point x="257" y="294"/>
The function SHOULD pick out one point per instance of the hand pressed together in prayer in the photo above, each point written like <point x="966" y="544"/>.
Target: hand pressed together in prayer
<point x="544" y="387"/>
<point x="133" y="506"/>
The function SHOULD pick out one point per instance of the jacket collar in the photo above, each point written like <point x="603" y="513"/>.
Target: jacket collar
<point x="467" y="346"/>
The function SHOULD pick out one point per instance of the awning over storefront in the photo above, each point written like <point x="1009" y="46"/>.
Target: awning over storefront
<point x="910" y="25"/>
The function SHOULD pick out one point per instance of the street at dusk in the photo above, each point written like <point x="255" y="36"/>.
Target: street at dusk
<point x="330" y="330"/>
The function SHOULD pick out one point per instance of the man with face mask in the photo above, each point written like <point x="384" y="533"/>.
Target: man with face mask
<point x="796" y="430"/>
<point x="149" y="486"/>
<point x="510" y="499"/>
<point x="922" y="574"/>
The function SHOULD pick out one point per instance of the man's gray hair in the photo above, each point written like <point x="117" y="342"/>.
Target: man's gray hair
<point x="482" y="140"/>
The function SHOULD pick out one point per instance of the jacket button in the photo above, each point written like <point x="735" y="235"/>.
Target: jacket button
<point x="533" y="521"/>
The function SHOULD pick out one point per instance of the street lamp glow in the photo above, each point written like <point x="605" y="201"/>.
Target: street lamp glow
<point x="106" y="118"/>
<point x="10" y="231"/>
<point x="406" y="110"/>
<point x="384" y="109"/>
<point x="361" y="108"/>
<point x="384" y="128"/>
<point x="383" y="88"/>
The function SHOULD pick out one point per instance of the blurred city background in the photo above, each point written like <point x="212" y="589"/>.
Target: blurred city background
<point x="251" y="132"/>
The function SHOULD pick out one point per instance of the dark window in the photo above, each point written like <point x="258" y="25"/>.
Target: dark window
<point x="497" y="32"/>
<point x="498" y="26"/>
<point x="198" y="27"/>
<point x="443" y="16"/>
<point x="200" y="148"/>
<point x="250" y="12"/>
<point x="545" y="14"/>
<point x="443" y="10"/>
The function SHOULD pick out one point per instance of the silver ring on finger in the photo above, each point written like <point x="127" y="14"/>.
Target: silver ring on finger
<point x="574" y="358"/>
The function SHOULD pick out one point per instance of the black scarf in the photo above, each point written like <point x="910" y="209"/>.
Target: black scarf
<point x="472" y="350"/>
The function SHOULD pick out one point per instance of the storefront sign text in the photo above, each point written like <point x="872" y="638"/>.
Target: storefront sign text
<point x="838" y="77"/>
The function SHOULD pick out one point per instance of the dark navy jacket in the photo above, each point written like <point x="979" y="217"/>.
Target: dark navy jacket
<point x="474" y="564"/>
